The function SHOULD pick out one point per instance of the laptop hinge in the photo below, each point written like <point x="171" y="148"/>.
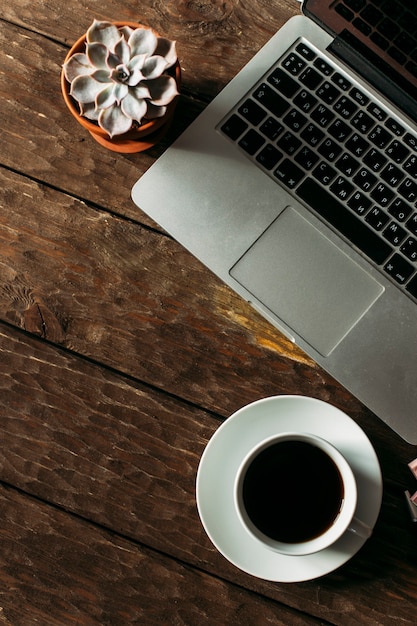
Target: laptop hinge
<point x="375" y="71"/>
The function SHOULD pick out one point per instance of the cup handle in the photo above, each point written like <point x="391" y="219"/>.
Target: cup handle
<point x="360" y="528"/>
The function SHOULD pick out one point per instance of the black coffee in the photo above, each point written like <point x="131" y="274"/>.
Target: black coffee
<point x="292" y="491"/>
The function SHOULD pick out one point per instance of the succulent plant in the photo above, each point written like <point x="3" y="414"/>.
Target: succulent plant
<point x="120" y="80"/>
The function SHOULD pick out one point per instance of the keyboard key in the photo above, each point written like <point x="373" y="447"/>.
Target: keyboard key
<point x="347" y="164"/>
<point x="399" y="269"/>
<point x="251" y="142"/>
<point x="411" y="141"/>
<point x="410" y="166"/>
<point x="394" y="233"/>
<point x="312" y="135"/>
<point x="293" y="64"/>
<point x="365" y="179"/>
<point x="412" y="224"/>
<point x="357" y="145"/>
<point x="234" y="127"/>
<point x="345" y="107"/>
<point x="375" y="160"/>
<point x="359" y="203"/>
<point x="359" y="97"/>
<point x="409" y="249"/>
<point x="339" y="130"/>
<point x="289" y="143"/>
<point x="310" y="78"/>
<point x="330" y="150"/>
<point x="355" y="5"/>
<point x="371" y="15"/>
<point x="400" y="209"/>
<point x="388" y="28"/>
<point x="392" y="174"/>
<point x="376" y="111"/>
<point x="271" y="128"/>
<point x="323" y="67"/>
<point x="377" y="218"/>
<point x="252" y="112"/>
<point x="344" y="221"/>
<point x="380" y="137"/>
<point x="363" y="122"/>
<point x="346" y="13"/>
<point x="269" y="156"/>
<point x="306" y="158"/>
<point x="341" y="81"/>
<point x="380" y="41"/>
<point x="271" y="100"/>
<point x="397" y="55"/>
<point x="283" y="83"/>
<point x="394" y="127"/>
<point x="328" y="92"/>
<point x="289" y="174"/>
<point x="382" y="194"/>
<point x="404" y="42"/>
<point x="397" y="151"/>
<point x="322" y="115"/>
<point x="324" y="173"/>
<point x="408" y="189"/>
<point x="305" y="101"/>
<point x="295" y="120"/>
<point x="341" y="188"/>
<point x="305" y="51"/>
<point x="362" y="26"/>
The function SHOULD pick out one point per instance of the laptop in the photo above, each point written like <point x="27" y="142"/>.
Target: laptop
<point x="297" y="186"/>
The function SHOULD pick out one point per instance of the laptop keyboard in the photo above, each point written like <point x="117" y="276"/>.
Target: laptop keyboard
<point x="312" y="130"/>
<point x="373" y="19"/>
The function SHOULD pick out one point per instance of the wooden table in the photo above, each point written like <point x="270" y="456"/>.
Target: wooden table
<point x="120" y="356"/>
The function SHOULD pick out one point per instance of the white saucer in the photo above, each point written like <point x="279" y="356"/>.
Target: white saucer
<point x="227" y="449"/>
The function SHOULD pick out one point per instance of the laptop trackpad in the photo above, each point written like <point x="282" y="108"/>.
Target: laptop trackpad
<point x="306" y="281"/>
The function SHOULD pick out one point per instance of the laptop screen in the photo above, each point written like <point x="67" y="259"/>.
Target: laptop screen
<point x="379" y="39"/>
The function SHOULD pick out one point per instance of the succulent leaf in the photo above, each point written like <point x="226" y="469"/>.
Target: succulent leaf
<point x="97" y="55"/>
<point x="105" y="98"/>
<point x="154" y="111"/>
<point x="162" y="89"/>
<point x="77" y="65"/>
<point x="142" y="41"/>
<point x="114" y="121"/>
<point x="167" y="49"/>
<point x="85" y="89"/>
<point x="153" y="67"/>
<point x="103" y="32"/>
<point x="120" y="79"/>
<point x="133" y="107"/>
<point x="122" y="50"/>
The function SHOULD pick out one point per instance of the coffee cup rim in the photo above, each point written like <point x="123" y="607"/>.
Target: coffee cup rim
<point x="342" y="520"/>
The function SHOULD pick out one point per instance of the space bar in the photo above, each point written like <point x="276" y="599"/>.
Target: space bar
<point x="345" y="222"/>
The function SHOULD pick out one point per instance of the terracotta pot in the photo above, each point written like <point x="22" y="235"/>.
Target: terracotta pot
<point x="137" y="139"/>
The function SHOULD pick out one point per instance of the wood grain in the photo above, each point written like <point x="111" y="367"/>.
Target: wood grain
<point x="125" y="456"/>
<point x="140" y="307"/>
<point x="57" y="570"/>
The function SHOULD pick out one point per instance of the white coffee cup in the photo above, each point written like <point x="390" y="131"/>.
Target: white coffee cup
<point x="297" y="494"/>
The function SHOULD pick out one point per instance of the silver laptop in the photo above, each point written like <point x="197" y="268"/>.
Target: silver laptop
<point x="297" y="186"/>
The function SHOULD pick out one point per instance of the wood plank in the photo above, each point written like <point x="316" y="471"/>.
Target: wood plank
<point x="134" y="299"/>
<point x="237" y="31"/>
<point x="126" y="456"/>
<point x="57" y="570"/>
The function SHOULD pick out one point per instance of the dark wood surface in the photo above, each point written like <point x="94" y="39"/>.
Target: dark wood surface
<point x="120" y="356"/>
